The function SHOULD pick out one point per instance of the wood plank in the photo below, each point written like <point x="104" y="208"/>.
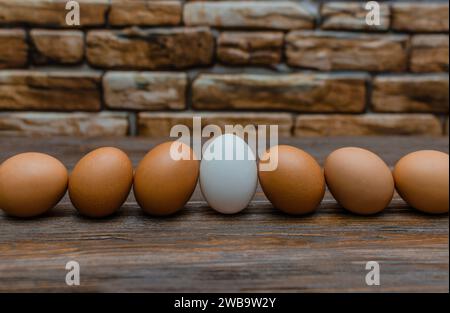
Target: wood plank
<point x="199" y="250"/>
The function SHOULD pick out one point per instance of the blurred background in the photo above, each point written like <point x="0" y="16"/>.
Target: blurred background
<point x="138" y="67"/>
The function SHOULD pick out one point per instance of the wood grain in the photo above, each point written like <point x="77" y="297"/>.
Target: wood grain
<point x="199" y="250"/>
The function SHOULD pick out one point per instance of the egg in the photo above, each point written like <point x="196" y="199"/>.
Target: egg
<point x="100" y="182"/>
<point x="297" y="184"/>
<point x="31" y="184"/>
<point x="359" y="180"/>
<point x="421" y="179"/>
<point x="163" y="184"/>
<point x="228" y="174"/>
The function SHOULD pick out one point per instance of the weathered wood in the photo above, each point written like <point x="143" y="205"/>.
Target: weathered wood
<point x="200" y="250"/>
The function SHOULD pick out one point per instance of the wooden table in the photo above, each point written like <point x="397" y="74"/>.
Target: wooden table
<point x="199" y="250"/>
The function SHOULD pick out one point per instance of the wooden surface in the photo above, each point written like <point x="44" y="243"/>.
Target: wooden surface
<point x="199" y="250"/>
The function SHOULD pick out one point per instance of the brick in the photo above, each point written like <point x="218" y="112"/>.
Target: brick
<point x="51" y="12"/>
<point x="293" y="92"/>
<point x="411" y="93"/>
<point x="250" y="48"/>
<point x="347" y="51"/>
<point x="49" y="90"/>
<point x="159" y="124"/>
<point x="367" y="125"/>
<point x="145" y="90"/>
<point x="429" y="53"/>
<point x="420" y="17"/>
<point x="250" y="14"/>
<point x="150" y="49"/>
<point x="145" y="12"/>
<point x="352" y="16"/>
<point x="14" y="48"/>
<point x="63" y="124"/>
<point x="57" y="46"/>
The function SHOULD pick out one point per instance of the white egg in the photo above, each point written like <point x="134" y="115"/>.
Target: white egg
<point x="228" y="174"/>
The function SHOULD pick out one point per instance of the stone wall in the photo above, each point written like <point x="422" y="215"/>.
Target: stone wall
<point x="137" y="67"/>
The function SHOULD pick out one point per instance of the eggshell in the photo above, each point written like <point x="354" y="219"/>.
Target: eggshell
<point x="228" y="183"/>
<point x="297" y="185"/>
<point x="359" y="180"/>
<point x="100" y="182"/>
<point x="31" y="184"/>
<point x="421" y="179"/>
<point x="162" y="184"/>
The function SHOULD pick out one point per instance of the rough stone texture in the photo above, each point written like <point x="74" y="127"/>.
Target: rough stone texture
<point x="367" y="124"/>
<point x="250" y="14"/>
<point x="64" y="124"/>
<point x="150" y="49"/>
<point x="429" y="53"/>
<point x="347" y="51"/>
<point x="420" y="17"/>
<point x="352" y="16"/>
<point x="57" y="46"/>
<point x="160" y="124"/>
<point x="145" y="90"/>
<point x="411" y="93"/>
<point x="49" y="90"/>
<point x="294" y="92"/>
<point x="51" y="12"/>
<point x="228" y="59"/>
<point x="145" y="12"/>
<point x="13" y="48"/>
<point x="250" y="48"/>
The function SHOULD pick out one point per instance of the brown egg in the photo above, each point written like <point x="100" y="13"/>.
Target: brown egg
<point x="162" y="185"/>
<point x="297" y="185"/>
<point x="100" y="182"/>
<point x="359" y="180"/>
<point x="421" y="179"/>
<point x="31" y="184"/>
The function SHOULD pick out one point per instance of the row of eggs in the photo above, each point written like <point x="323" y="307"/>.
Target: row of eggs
<point x="360" y="181"/>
